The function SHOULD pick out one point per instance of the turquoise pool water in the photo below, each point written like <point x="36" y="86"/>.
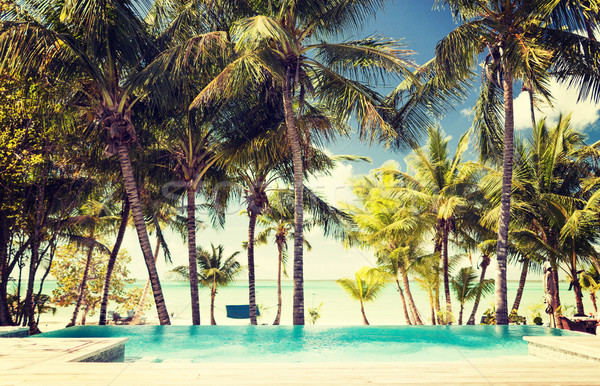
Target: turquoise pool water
<point x="314" y="344"/>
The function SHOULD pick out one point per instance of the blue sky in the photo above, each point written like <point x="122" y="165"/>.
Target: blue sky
<point x="421" y="28"/>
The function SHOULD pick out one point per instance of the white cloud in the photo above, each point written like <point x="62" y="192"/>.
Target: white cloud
<point x="334" y="187"/>
<point x="584" y="113"/>
<point x="466" y="112"/>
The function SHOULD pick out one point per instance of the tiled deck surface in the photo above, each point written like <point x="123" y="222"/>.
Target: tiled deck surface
<point x="46" y="362"/>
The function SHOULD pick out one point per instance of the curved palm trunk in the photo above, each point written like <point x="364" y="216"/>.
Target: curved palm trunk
<point x="593" y="299"/>
<point x="137" y="317"/>
<point x="522" y="281"/>
<point x="432" y="305"/>
<point x="294" y="141"/>
<point x="507" y="169"/>
<point x="557" y="296"/>
<point x="140" y="227"/>
<point x="213" y="293"/>
<point x="86" y="309"/>
<point x="5" y="317"/>
<point x="438" y="308"/>
<point x="362" y="311"/>
<point x="34" y="259"/>
<point x="460" y="313"/>
<point x="83" y="284"/>
<point x="404" y="307"/>
<point x="112" y="260"/>
<point x="251" y="286"/>
<point x="193" y="261"/>
<point x="484" y="264"/>
<point x="411" y="303"/>
<point x="446" y="273"/>
<point x="279" y="297"/>
<point x="577" y="285"/>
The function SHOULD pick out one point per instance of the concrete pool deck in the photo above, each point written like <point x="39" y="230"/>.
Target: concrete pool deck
<point x="48" y="361"/>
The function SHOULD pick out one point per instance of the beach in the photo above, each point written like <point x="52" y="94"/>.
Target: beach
<point x="337" y="307"/>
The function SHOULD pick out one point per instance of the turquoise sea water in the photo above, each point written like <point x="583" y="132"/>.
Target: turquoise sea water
<point x="313" y="343"/>
<point x="337" y="308"/>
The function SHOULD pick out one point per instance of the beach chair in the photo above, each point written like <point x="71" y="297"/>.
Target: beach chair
<point x="240" y="311"/>
<point x="116" y="318"/>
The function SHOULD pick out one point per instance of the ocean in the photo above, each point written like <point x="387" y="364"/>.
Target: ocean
<point x="337" y="307"/>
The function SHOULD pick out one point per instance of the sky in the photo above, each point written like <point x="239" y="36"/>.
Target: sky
<point x="420" y="28"/>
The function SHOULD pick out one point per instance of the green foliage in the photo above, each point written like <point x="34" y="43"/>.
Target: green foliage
<point x="132" y="300"/>
<point x="445" y="317"/>
<point x="314" y="314"/>
<point x="513" y="317"/>
<point x="214" y="270"/>
<point x="366" y="285"/>
<point x="535" y="310"/>
<point x="466" y="287"/>
<point x="68" y="267"/>
<point x="16" y="305"/>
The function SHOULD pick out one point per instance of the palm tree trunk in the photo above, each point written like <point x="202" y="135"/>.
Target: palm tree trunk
<point x="507" y="169"/>
<point x="251" y="286"/>
<point x="83" y="284"/>
<point x="193" y="261"/>
<point x="438" y="308"/>
<point x="213" y="293"/>
<point x="411" y="303"/>
<point x="522" y="281"/>
<point x="112" y="260"/>
<point x="137" y="317"/>
<point x="432" y="304"/>
<point x="279" y="297"/>
<point x="557" y="296"/>
<point x="34" y="259"/>
<point x="5" y="317"/>
<point x="460" y="313"/>
<point x="484" y="264"/>
<point x="593" y="299"/>
<point x="404" y="307"/>
<point x="576" y="285"/>
<point x="362" y="310"/>
<point x="446" y="273"/>
<point x="84" y="314"/>
<point x="140" y="227"/>
<point x="294" y="141"/>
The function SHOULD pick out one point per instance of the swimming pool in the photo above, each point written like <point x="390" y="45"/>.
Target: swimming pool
<point x="314" y="344"/>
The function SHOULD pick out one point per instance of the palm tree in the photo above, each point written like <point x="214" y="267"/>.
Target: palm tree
<point x="466" y="288"/>
<point x="525" y="41"/>
<point x="195" y="152"/>
<point x="392" y="227"/>
<point x="95" y="45"/>
<point x="125" y="211"/>
<point x="440" y="183"/>
<point x="282" y="43"/>
<point x="214" y="271"/>
<point x="427" y="273"/>
<point x="549" y="183"/>
<point x="278" y="221"/>
<point x="590" y="281"/>
<point x="366" y="286"/>
<point x="92" y="217"/>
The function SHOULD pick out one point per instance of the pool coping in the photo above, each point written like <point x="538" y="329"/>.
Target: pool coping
<point x="21" y="353"/>
<point x="573" y="348"/>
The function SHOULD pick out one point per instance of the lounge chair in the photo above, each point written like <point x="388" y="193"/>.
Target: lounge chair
<point x="568" y="324"/>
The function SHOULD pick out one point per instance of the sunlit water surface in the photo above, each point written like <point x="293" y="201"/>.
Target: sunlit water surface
<point x="313" y="343"/>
